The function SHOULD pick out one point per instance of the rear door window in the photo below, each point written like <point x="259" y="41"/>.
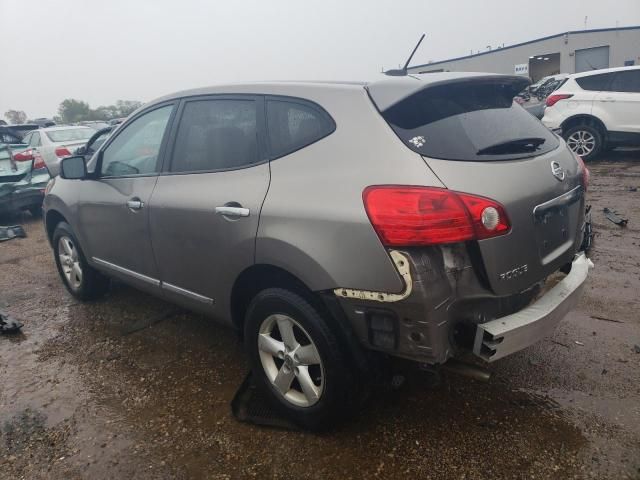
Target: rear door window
<point x="628" y="81"/>
<point x="596" y="83"/>
<point x="294" y="124"/>
<point x="473" y="121"/>
<point x="218" y="134"/>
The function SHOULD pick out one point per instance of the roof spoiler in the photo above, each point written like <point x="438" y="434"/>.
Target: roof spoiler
<point x="387" y="93"/>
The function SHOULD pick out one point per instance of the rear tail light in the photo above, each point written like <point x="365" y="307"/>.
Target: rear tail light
<point x="38" y="162"/>
<point x="25" y="156"/>
<point x="62" y="152"/>
<point x="406" y="216"/>
<point x="553" y="99"/>
<point x="584" y="171"/>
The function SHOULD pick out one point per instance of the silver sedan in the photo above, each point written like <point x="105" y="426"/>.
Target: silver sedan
<point x="55" y="143"/>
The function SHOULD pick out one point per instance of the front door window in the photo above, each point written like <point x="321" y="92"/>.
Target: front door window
<point x="135" y="150"/>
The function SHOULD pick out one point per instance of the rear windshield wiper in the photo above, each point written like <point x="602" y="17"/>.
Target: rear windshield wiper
<point x="518" y="145"/>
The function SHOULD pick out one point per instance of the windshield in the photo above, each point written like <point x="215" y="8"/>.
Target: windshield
<point x="475" y="121"/>
<point x="70" y="134"/>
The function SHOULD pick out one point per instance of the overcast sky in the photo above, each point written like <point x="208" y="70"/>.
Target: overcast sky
<point x="102" y="51"/>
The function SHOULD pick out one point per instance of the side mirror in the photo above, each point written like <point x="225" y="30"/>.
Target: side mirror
<point x="80" y="150"/>
<point x="73" y="168"/>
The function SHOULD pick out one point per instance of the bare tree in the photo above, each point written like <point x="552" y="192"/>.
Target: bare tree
<point x="16" y="117"/>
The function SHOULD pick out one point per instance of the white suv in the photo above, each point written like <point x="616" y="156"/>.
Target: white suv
<point x="597" y="110"/>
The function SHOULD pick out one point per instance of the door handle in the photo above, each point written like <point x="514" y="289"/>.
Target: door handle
<point x="135" y="204"/>
<point x="232" y="211"/>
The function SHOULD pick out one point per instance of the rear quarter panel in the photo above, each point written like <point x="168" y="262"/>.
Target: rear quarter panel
<point x="313" y="222"/>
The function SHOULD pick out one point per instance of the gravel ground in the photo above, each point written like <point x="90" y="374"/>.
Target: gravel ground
<point x="133" y="387"/>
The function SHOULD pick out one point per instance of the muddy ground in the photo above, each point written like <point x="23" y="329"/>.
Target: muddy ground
<point x="132" y="387"/>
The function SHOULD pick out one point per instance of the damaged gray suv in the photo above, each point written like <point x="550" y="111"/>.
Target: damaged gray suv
<point x="333" y="223"/>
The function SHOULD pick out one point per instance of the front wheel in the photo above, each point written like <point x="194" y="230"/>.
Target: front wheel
<point x="296" y="359"/>
<point x="585" y="141"/>
<point x="82" y="281"/>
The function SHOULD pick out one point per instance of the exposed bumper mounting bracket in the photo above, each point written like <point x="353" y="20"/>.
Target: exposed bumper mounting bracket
<point x="402" y="264"/>
<point x="504" y="336"/>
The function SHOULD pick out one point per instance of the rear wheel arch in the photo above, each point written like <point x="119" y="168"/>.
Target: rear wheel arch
<point x="585" y="119"/>
<point x="260" y="277"/>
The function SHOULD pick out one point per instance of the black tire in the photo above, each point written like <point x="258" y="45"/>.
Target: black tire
<point x="339" y="391"/>
<point x="92" y="284"/>
<point x="587" y="130"/>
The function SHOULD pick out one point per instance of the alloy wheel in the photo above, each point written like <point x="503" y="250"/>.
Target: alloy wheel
<point x="291" y="360"/>
<point x="70" y="262"/>
<point x="581" y="142"/>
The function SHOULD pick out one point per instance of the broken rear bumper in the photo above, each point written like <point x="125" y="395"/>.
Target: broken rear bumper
<point x="504" y="336"/>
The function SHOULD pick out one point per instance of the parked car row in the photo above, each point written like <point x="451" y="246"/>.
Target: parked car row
<point x="533" y="97"/>
<point x="30" y="156"/>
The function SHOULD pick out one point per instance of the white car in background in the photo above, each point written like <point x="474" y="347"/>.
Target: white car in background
<point x="55" y="143"/>
<point x="597" y="110"/>
<point x="535" y="104"/>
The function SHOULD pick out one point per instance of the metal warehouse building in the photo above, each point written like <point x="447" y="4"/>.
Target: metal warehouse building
<point x="569" y="52"/>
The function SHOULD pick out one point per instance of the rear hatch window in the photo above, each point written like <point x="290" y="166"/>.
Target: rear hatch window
<point x="70" y="134"/>
<point x="469" y="119"/>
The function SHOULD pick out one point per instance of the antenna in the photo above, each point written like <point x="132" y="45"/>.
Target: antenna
<point x="401" y="72"/>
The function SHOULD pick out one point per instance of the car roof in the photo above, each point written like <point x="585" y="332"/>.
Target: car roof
<point x="388" y="89"/>
<point x="258" y="88"/>
<point x="603" y="70"/>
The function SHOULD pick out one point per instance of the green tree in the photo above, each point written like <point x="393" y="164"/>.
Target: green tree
<point x="104" y="112"/>
<point x="16" y="117"/>
<point x="71" y="110"/>
<point x="127" y="107"/>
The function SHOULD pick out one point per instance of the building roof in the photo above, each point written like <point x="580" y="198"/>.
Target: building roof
<point x="488" y="52"/>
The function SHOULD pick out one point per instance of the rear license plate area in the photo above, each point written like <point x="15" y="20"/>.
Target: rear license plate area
<point x="556" y="224"/>
<point x="552" y="230"/>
